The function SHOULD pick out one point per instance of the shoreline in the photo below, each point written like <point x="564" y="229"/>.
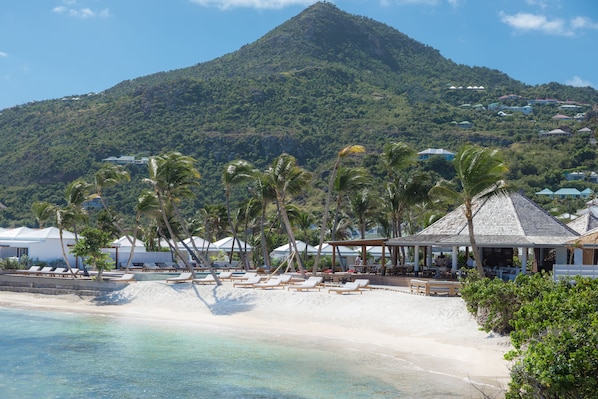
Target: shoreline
<point x="435" y="334"/>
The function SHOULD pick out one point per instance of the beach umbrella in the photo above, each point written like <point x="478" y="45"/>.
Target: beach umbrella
<point x="285" y="250"/>
<point x="228" y="243"/>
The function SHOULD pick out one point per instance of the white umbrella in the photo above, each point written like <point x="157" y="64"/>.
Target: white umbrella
<point x="228" y="243"/>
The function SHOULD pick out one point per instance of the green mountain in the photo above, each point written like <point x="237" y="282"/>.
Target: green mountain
<point x="321" y="80"/>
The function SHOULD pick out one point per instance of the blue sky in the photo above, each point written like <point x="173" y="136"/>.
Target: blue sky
<point x="55" y="48"/>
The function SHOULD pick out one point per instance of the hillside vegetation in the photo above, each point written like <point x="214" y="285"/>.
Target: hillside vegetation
<point x="320" y="81"/>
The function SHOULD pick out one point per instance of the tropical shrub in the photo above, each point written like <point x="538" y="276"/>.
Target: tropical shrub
<point x="553" y="327"/>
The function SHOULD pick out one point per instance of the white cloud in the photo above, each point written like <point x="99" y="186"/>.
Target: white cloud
<point x="583" y="23"/>
<point x="258" y="4"/>
<point x="70" y="9"/>
<point x="3" y="54"/>
<point x="579" y="82"/>
<point x="526" y="22"/>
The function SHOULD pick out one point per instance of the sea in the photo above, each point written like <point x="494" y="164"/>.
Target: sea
<point x="52" y="354"/>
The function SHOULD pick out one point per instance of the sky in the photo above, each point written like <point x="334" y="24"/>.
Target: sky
<point x="50" y="49"/>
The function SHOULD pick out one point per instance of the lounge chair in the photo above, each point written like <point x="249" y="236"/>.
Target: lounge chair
<point x="66" y="272"/>
<point x="207" y="279"/>
<point x="247" y="283"/>
<point x="364" y="283"/>
<point x="311" y="283"/>
<point x="31" y="270"/>
<point x="275" y="282"/>
<point x="225" y="275"/>
<point x="347" y="288"/>
<point x="45" y="270"/>
<point x="181" y="278"/>
<point x="285" y="278"/>
<point x="125" y="278"/>
<point x="57" y="272"/>
<point x="150" y="267"/>
<point x="244" y="276"/>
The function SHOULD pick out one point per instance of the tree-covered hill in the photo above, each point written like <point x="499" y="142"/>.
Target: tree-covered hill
<point x="321" y="80"/>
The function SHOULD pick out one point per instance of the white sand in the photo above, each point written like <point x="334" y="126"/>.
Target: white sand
<point x="435" y="334"/>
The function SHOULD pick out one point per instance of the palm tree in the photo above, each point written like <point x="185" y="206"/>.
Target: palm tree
<point x="345" y="152"/>
<point x="302" y="220"/>
<point x="363" y="207"/>
<point x="264" y="194"/>
<point x="42" y="211"/>
<point x="147" y="205"/>
<point x="75" y="194"/>
<point x="480" y="173"/>
<point x="347" y="180"/>
<point x="172" y="177"/>
<point x="236" y="172"/>
<point x="288" y="180"/>
<point x="110" y="175"/>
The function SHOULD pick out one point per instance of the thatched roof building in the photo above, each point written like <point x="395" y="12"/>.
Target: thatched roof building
<point x="499" y="221"/>
<point x="503" y="221"/>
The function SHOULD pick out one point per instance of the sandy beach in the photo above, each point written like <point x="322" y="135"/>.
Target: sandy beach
<point x="435" y="334"/>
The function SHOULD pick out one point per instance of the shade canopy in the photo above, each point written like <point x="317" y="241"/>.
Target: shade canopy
<point x="200" y="243"/>
<point x="229" y="243"/>
<point x="284" y="250"/>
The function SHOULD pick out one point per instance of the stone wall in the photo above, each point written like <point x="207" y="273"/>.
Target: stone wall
<point x="57" y="285"/>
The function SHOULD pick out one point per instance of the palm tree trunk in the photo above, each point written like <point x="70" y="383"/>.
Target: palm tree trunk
<point x="290" y="235"/>
<point x="263" y="238"/>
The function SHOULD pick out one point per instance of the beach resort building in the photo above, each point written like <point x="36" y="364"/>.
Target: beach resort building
<point x="506" y="227"/>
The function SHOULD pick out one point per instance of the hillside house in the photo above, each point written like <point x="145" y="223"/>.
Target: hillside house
<point x="430" y="152"/>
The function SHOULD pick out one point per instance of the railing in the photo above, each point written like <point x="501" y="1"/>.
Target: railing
<point x="565" y="271"/>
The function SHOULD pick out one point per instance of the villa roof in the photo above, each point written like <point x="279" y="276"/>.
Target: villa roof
<point x="499" y="221"/>
<point x="586" y="222"/>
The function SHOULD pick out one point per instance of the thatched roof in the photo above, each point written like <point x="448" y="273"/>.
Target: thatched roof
<point x="510" y="220"/>
<point x="586" y="222"/>
<point x="588" y="240"/>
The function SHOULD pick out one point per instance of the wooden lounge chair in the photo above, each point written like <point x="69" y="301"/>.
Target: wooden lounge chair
<point x="225" y="276"/>
<point x="57" y="272"/>
<point x="47" y="270"/>
<point x="347" y="288"/>
<point x="207" y="279"/>
<point x="150" y="267"/>
<point x="247" y="283"/>
<point x="311" y="283"/>
<point x="244" y="276"/>
<point x="31" y="270"/>
<point x="181" y="278"/>
<point x="66" y="272"/>
<point x="275" y="282"/>
<point x="364" y="283"/>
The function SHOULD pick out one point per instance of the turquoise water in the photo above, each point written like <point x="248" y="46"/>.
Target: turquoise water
<point x="63" y="355"/>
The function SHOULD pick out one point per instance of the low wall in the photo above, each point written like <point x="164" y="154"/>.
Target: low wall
<point x="564" y="271"/>
<point x="56" y="285"/>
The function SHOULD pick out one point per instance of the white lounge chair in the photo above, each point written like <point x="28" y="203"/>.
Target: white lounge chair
<point x="243" y="276"/>
<point x="181" y="278"/>
<point x="311" y="283"/>
<point x="275" y="282"/>
<point x="207" y="279"/>
<point x="347" y="288"/>
<point x="31" y="270"/>
<point x="57" y="272"/>
<point x="45" y="270"/>
<point x="225" y="275"/>
<point x="67" y="272"/>
<point x="247" y="283"/>
<point x="364" y="283"/>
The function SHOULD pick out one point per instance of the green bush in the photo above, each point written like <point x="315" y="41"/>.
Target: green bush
<point x="556" y="343"/>
<point x="553" y="327"/>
